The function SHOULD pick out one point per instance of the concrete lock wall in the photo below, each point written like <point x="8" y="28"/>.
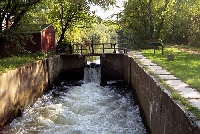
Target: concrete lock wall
<point x="162" y="114"/>
<point x="112" y="67"/>
<point x="21" y="87"/>
<point x="54" y="68"/>
<point x="73" y="67"/>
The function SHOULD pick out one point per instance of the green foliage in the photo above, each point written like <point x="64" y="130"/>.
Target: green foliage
<point x="14" y="10"/>
<point x="11" y="13"/>
<point x="167" y="20"/>
<point x="98" y="32"/>
<point x="66" y="16"/>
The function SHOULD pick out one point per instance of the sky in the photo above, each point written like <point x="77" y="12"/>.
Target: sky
<point x="107" y="14"/>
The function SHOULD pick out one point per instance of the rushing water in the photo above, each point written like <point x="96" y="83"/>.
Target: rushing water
<point x="82" y="107"/>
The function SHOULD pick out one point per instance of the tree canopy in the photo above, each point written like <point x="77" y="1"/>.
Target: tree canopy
<point x="14" y="10"/>
<point x="63" y="14"/>
<point x="175" y="21"/>
<point x="66" y="14"/>
<point x="141" y="21"/>
<point x="11" y="13"/>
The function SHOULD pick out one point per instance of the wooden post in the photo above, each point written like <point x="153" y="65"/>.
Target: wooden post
<point x="114" y="48"/>
<point x="73" y="51"/>
<point x="92" y="45"/>
<point x="125" y="50"/>
<point x="103" y="48"/>
<point x="70" y="49"/>
<point x="81" y="49"/>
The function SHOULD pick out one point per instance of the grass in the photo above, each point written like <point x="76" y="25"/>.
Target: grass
<point x="186" y="103"/>
<point x="14" y="62"/>
<point x="186" y="67"/>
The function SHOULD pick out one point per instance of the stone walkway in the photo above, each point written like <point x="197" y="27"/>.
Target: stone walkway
<point x="191" y="94"/>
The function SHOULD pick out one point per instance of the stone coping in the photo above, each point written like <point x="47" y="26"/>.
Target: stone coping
<point x="191" y="94"/>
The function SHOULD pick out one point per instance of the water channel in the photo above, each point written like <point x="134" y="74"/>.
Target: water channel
<point x="82" y="107"/>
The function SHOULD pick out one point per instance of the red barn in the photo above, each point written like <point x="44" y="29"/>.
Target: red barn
<point x="43" y="40"/>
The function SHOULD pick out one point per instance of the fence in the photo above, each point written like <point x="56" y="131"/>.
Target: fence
<point x="99" y="48"/>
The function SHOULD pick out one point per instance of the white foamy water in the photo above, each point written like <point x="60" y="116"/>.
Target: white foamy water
<point x="92" y="74"/>
<point x="86" y="108"/>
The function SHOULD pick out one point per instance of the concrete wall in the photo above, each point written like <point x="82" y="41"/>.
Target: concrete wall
<point x="54" y="68"/>
<point x="73" y="67"/>
<point x="112" y="67"/>
<point x="162" y="114"/>
<point x="127" y="69"/>
<point x="21" y="87"/>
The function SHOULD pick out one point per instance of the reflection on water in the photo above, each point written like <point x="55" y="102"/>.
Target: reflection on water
<point x="85" y="109"/>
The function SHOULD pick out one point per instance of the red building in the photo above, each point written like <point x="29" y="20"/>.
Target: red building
<point x="43" y="40"/>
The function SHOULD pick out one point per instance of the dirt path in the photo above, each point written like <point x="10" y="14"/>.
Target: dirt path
<point x="190" y="50"/>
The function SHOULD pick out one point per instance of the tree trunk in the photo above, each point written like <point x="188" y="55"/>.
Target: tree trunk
<point x="151" y="27"/>
<point x="160" y="25"/>
<point x="67" y="23"/>
<point x="62" y="36"/>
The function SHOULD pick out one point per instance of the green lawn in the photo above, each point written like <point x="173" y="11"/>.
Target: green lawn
<point x="185" y="66"/>
<point x="19" y="61"/>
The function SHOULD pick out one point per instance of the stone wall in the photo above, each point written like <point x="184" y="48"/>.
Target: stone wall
<point x="162" y="114"/>
<point x="21" y="87"/>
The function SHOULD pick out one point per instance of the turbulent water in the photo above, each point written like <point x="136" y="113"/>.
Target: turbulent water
<point x="81" y="108"/>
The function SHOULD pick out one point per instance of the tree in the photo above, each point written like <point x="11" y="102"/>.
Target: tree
<point x="14" y="10"/>
<point x="65" y="14"/>
<point x="11" y="13"/>
<point x="168" y="20"/>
